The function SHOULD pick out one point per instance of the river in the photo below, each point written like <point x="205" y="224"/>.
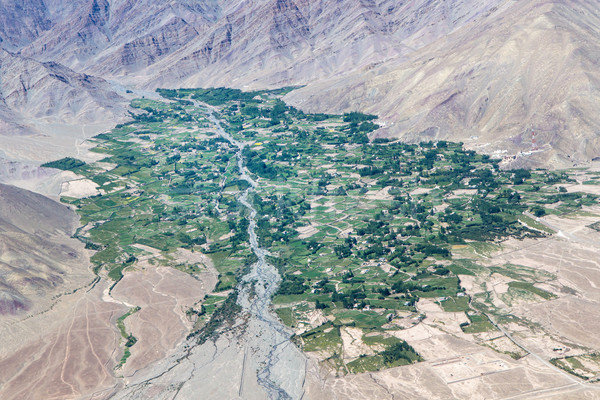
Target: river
<point x="253" y="359"/>
<point x="257" y="287"/>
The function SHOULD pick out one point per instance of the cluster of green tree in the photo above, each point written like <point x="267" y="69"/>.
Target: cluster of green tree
<point x="318" y="117"/>
<point x="576" y="198"/>
<point x="131" y="340"/>
<point x="538" y="211"/>
<point x="278" y="216"/>
<point x="292" y="284"/>
<point x="320" y="306"/>
<point x="552" y="177"/>
<point x="240" y="229"/>
<point x="358" y="117"/>
<point x="348" y="300"/>
<point x="66" y="164"/>
<point x="280" y="113"/>
<point x="409" y="286"/>
<point x="324" y="286"/>
<point x="373" y="251"/>
<point x="213" y="96"/>
<point x="186" y="188"/>
<point x="224" y="314"/>
<point x="370" y="171"/>
<point x="129" y="161"/>
<point x="189" y="242"/>
<point x="345" y="250"/>
<point x="520" y="175"/>
<point x="400" y="351"/>
<point x="174" y="113"/>
<point x="256" y="164"/>
<point x="147" y="117"/>
<point x="93" y="246"/>
<point x="349" y="277"/>
<point x="358" y="133"/>
<point x="430" y="249"/>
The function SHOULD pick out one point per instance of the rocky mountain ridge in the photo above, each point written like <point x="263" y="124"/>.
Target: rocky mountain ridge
<point x="32" y="89"/>
<point x="486" y="72"/>
<point x="490" y="86"/>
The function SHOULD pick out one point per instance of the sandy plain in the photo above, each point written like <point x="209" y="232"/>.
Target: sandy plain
<point x="70" y="350"/>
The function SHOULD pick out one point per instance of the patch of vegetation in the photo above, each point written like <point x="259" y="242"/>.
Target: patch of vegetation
<point x="212" y="96"/>
<point x="67" y="164"/>
<point x="573" y="366"/>
<point x="130" y="340"/>
<point x="595" y="226"/>
<point x="286" y="315"/>
<point x="359" y="228"/>
<point x="366" y="364"/>
<point x="324" y="337"/>
<point x="400" y="354"/>
<point x="529" y="287"/>
<point x="224" y="315"/>
<point x="478" y="323"/>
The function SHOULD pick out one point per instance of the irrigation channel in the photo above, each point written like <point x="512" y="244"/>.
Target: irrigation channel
<point x="278" y="357"/>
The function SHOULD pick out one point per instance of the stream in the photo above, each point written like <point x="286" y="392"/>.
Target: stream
<point x="254" y="297"/>
<point x="255" y="359"/>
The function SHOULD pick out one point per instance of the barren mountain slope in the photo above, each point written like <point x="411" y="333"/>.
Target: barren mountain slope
<point x="478" y="71"/>
<point x="273" y="42"/>
<point x="284" y="42"/>
<point x="533" y="66"/>
<point x="98" y="28"/>
<point x="9" y="122"/>
<point x="21" y="23"/>
<point x="38" y="258"/>
<point x="39" y="90"/>
<point x="24" y="21"/>
<point x="34" y="95"/>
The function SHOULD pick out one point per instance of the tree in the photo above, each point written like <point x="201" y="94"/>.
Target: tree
<point x="538" y="211"/>
<point x="320" y="306"/>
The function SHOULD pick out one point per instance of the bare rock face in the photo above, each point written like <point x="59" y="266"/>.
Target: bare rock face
<point x="485" y="71"/>
<point x="99" y="30"/>
<point x="522" y="68"/>
<point x="89" y="34"/>
<point x="147" y="49"/>
<point x="33" y="89"/>
<point x="22" y="22"/>
<point x="37" y="254"/>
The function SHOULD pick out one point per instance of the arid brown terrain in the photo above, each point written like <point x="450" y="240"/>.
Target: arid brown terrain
<point x="487" y="73"/>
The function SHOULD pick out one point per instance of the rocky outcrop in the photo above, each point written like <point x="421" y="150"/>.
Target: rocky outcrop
<point x="147" y="49"/>
<point x="22" y="22"/>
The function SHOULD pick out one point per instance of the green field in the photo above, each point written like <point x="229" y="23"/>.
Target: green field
<point x="359" y="229"/>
